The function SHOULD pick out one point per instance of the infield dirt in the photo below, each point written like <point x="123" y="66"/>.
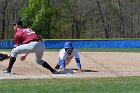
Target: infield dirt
<point x="94" y="64"/>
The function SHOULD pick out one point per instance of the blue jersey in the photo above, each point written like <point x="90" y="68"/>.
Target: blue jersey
<point x="63" y="55"/>
<point x="65" y="58"/>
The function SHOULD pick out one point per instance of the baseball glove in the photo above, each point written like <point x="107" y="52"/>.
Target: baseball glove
<point x="3" y="57"/>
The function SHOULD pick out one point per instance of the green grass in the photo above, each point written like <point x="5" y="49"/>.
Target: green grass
<point x="88" y="85"/>
<point x="95" y="50"/>
<point x="110" y="50"/>
<point x="103" y="50"/>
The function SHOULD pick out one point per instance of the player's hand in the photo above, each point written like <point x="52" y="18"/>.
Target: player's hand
<point x="79" y="71"/>
<point x="8" y="57"/>
<point x="22" y="58"/>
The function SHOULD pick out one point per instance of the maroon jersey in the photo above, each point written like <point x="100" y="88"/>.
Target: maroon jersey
<point x="24" y="36"/>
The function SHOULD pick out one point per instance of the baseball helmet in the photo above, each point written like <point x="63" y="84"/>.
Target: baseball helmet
<point x="68" y="45"/>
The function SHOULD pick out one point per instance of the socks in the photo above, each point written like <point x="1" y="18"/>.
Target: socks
<point x="11" y="62"/>
<point x="46" y="65"/>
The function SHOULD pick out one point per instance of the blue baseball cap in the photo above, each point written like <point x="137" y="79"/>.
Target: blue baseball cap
<point x="68" y="45"/>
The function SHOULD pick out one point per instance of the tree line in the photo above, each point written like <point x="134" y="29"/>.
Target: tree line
<point x="73" y="19"/>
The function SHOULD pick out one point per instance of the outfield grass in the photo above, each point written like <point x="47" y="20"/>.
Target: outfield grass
<point x="88" y="85"/>
<point x="110" y="50"/>
<point x="103" y="50"/>
<point x="95" y="50"/>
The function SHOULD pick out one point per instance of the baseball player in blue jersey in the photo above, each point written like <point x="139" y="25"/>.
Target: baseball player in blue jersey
<point x="65" y="56"/>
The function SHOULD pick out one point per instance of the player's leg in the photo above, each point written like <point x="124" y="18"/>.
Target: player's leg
<point x="67" y="62"/>
<point x="15" y="51"/>
<point x="58" y="64"/>
<point x="8" y="69"/>
<point x="39" y="54"/>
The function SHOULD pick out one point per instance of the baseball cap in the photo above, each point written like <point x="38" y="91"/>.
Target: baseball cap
<point x="18" y="22"/>
<point x="68" y="45"/>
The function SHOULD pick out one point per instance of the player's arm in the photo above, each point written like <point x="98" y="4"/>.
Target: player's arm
<point x="17" y="40"/>
<point x="62" y="58"/>
<point x="78" y="64"/>
<point x="62" y="63"/>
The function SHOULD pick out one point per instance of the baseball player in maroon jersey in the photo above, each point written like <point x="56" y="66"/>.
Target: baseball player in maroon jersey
<point x="26" y="41"/>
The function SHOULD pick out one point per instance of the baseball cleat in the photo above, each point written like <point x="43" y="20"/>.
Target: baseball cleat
<point x="5" y="72"/>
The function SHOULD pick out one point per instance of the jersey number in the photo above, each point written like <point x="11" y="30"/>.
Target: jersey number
<point x="28" y="31"/>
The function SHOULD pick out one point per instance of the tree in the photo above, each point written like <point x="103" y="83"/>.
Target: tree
<point x="103" y="21"/>
<point x="42" y="17"/>
<point x="73" y="18"/>
<point x="5" y="2"/>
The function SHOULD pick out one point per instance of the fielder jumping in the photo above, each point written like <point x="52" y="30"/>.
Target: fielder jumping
<point x="65" y="56"/>
<point x="27" y="41"/>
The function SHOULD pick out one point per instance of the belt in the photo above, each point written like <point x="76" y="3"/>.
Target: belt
<point x="35" y="40"/>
